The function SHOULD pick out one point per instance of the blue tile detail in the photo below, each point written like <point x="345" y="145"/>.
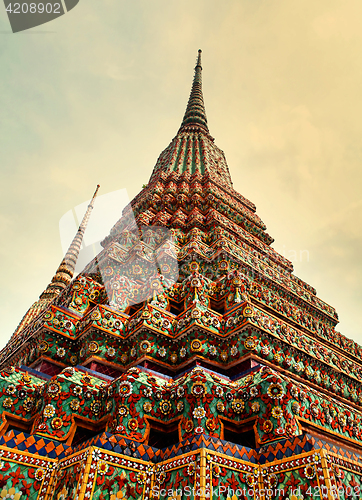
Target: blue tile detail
<point x="22" y="446"/>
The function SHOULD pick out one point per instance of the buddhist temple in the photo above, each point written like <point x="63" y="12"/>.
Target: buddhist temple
<point x="186" y="361"/>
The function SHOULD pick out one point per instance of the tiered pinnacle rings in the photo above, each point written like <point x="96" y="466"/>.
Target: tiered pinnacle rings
<point x="186" y="360"/>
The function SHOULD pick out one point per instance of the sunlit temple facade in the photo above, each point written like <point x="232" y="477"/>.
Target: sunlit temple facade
<point x="185" y="361"/>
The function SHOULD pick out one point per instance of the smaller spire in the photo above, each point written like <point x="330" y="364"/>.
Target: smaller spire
<point x="62" y="277"/>
<point x="65" y="271"/>
<point x="195" y="112"/>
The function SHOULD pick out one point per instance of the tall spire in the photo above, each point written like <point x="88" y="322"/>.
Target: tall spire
<point x="195" y="112"/>
<point x="193" y="150"/>
<point x="65" y="271"/>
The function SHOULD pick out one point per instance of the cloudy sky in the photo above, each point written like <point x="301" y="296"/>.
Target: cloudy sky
<point x="95" y="96"/>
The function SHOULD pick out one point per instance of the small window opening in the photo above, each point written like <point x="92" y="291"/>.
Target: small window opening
<point x="104" y="369"/>
<point x="218" y="306"/>
<point x="163" y="436"/>
<point x="176" y="307"/>
<point x="82" y="434"/>
<point x="18" y="427"/>
<point x="48" y="368"/>
<point x="244" y="438"/>
<point x="133" y="309"/>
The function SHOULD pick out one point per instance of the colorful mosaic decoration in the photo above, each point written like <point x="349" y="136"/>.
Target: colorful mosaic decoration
<point x="185" y="361"/>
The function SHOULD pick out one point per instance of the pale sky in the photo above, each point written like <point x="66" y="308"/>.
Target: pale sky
<point x="96" y="95"/>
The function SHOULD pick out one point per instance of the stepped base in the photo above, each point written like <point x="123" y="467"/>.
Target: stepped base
<point x="110" y="467"/>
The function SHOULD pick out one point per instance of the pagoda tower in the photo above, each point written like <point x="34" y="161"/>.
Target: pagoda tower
<point x="185" y="361"/>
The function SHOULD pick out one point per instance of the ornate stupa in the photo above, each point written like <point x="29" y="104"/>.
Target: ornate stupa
<point x="185" y="361"/>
